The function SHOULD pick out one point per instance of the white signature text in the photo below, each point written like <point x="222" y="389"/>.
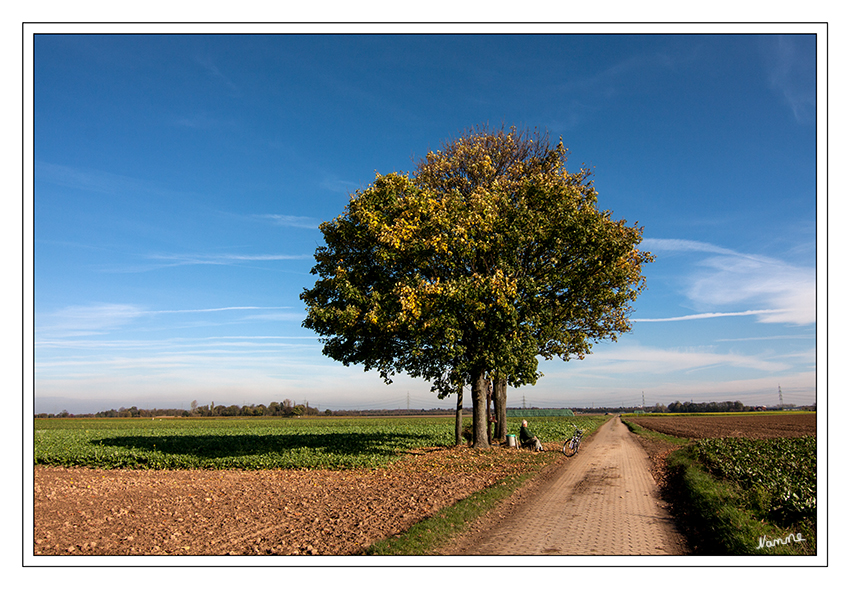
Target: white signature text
<point x="765" y="543"/>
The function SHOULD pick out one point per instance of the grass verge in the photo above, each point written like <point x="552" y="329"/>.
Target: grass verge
<point x="654" y="435"/>
<point x="426" y="536"/>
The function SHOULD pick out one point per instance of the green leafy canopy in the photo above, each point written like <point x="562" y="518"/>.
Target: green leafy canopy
<point x="489" y="255"/>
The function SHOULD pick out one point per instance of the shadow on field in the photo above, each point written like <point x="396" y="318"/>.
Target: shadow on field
<point x="212" y="446"/>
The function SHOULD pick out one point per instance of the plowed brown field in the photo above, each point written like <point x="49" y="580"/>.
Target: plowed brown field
<point x="754" y="426"/>
<point x="82" y="511"/>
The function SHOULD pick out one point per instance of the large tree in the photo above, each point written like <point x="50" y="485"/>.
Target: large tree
<point x="490" y="255"/>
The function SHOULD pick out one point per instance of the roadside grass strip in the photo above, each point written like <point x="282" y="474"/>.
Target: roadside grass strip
<point x="648" y="433"/>
<point x="425" y="537"/>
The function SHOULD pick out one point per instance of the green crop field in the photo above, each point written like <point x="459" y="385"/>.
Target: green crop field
<point x="745" y="493"/>
<point x="777" y="476"/>
<point x="255" y="443"/>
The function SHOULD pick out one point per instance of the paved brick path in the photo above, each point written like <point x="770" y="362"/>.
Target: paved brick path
<point x="603" y="501"/>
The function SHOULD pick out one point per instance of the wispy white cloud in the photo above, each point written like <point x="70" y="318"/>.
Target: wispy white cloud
<point x="334" y="184"/>
<point x="791" y="71"/>
<point x="215" y="73"/>
<point x="766" y="338"/>
<point x="225" y="383"/>
<point x="783" y="292"/>
<point x="223" y="259"/>
<point x="160" y="261"/>
<point x="97" y="180"/>
<point x="583" y="96"/>
<point x="628" y="73"/>
<point x="276" y="317"/>
<point x="77" y="321"/>
<point x="624" y="369"/>
<point x="101" y="319"/>
<point x="710" y="316"/>
<point x="213" y="310"/>
<point x="236" y="341"/>
<point x="292" y="221"/>
<point x="797" y="387"/>
<point x="226" y="258"/>
<point x="683" y="245"/>
<point x="635" y="359"/>
<point x="736" y="280"/>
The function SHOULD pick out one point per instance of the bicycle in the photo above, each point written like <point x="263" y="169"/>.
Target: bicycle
<point x="571" y="444"/>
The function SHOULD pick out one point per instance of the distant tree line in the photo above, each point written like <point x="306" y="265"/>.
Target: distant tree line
<point x="286" y="408"/>
<point x="395" y="412"/>
<point x="686" y="407"/>
<point x="711" y="407"/>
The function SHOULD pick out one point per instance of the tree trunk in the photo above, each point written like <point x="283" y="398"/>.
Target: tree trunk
<point x="459" y="416"/>
<point x="479" y="410"/>
<point x="490" y="419"/>
<point x="500" y="405"/>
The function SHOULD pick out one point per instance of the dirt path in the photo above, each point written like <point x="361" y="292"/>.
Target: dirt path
<point x="603" y="501"/>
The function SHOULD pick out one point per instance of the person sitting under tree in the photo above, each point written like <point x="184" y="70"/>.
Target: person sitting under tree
<point x="527" y="439"/>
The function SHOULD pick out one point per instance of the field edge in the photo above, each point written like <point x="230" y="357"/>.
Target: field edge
<point x="706" y="508"/>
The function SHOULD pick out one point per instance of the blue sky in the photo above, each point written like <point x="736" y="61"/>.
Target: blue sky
<point x="180" y="180"/>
